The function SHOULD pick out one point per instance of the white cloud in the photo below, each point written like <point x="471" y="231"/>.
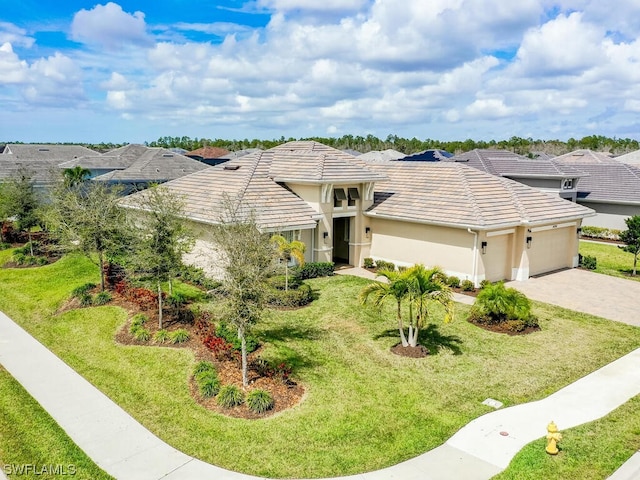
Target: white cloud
<point x="10" y="33"/>
<point x="12" y="69"/>
<point x="110" y="26"/>
<point x="488" y="108"/>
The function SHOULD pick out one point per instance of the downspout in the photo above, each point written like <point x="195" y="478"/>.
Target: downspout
<point x="475" y="256"/>
<point x="313" y="243"/>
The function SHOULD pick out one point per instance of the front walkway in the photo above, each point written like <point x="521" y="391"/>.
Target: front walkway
<point x="126" y="450"/>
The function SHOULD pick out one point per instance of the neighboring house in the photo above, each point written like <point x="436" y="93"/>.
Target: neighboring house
<point x="381" y="155"/>
<point x="137" y="166"/>
<point x="547" y="175"/>
<point x="39" y="160"/>
<point x="610" y="187"/>
<point x="632" y="158"/>
<point x="209" y="155"/>
<point x="474" y="225"/>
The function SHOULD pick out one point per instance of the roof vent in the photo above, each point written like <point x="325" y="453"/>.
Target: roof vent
<point x="43" y="149"/>
<point x="157" y="170"/>
<point x="167" y="155"/>
<point x="231" y="167"/>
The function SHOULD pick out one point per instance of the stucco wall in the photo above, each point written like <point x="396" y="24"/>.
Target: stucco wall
<point x="609" y="215"/>
<point x="407" y="243"/>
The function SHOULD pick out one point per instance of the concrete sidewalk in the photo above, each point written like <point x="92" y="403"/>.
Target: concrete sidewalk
<point x="125" y="449"/>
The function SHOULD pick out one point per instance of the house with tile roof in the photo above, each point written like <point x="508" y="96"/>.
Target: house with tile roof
<point x="136" y="166"/>
<point x="542" y="173"/>
<point x="610" y="187"/>
<point x="632" y="158"/>
<point x="473" y="224"/>
<point x="209" y="155"/>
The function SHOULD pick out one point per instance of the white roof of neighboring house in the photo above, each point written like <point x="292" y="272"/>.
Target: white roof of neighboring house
<point x="631" y="157"/>
<point x="381" y="156"/>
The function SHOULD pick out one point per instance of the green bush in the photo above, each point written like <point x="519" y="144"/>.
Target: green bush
<point x="141" y="334"/>
<point x="202" y="367"/>
<point x="453" y="281"/>
<point x="42" y="261"/>
<point x="384" y="265"/>
<point x="82" y="289"/>
<point x="402" y="268"/>
<point x="315" y="270"/>
<point x="587" y="261"/>
<point x="484" y="283"/>
<point x="230" y="396"/>
<point x="4" y="246"/>
<point x="175" y="300"/>
<point x="206" y="378"/>
<point x="499" y="304"/>
<point x="600" y="232"/>
<point x="291" y="298"/>
<point x="467" y="286"/>
<point x="259" y="401"/>
<point x="86" y="300"/>
<point x="179" y="336"/>
<point x="102" y="298"/>
<point x="196" y="275"/>
<point x="280" y="281"/>
<point x="162" y="336"/>
<point x="368" y="262"/>
<point x="230" y="334"/>
<point x="137" y="322"/>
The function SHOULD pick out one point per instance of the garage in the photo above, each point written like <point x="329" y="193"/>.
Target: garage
<point x="548" y="248"/>
<point x="497" y="256"/>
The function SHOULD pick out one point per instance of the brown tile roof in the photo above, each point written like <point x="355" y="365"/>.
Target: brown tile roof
<point x="208" y="152"/>
<point x="508" y="164"/>
<point x="453" y="194"/>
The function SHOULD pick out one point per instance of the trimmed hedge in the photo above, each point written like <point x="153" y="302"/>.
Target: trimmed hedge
<point x="298" y="297"/>
<point x="315" y="270"/>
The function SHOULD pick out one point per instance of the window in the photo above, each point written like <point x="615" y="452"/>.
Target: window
<point x="567" y="184"/>
<point x="291" y="235"/>
<point x="354" y="195"/>
<point x="339" y="196"/>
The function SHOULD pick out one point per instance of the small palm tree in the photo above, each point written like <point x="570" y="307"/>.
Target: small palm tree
<point x="500" y="303"/>
<point x="396" y="287"/>
<point x="426" y="286"/>
<point x="75" y="176"/>
<point x="289" y="250"/>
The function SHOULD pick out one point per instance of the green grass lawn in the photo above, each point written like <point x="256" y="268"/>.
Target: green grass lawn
<point x="365" y="408"/>
<point x="28" y="435"/>
<point x="587" y="452"/>
<point x="611" y="259"/>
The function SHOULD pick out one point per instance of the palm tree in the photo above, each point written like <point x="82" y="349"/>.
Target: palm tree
<point x="500" y="303"/>
<point x="426" y="286"/>
<point x="76" y="175"/>
<point x="288" y="250"/>
<point x="396" y="287"/>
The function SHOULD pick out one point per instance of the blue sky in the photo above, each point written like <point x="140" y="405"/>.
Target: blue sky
<point x="130" y="71"/>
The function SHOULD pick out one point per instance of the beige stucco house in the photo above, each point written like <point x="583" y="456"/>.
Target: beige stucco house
<point x="474" y="225"/>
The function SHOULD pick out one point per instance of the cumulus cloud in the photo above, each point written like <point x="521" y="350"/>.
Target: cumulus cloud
<point x="10" y="33"/>
<point x="110" y="26"/>
<point x="12" y="69"/>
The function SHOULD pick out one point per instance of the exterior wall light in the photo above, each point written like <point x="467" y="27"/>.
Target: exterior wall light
<point x="529" y="239"/>
<point x="367" y="231"/>
<point x="324" y="236"/>
<point x="483" y="247"/>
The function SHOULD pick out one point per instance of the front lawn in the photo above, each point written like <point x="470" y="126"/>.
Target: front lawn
<point x="611" y="259"/>
<point x="365" y="408"/>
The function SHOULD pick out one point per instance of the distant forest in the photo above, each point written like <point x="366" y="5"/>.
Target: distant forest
<point x="522" y="146"/>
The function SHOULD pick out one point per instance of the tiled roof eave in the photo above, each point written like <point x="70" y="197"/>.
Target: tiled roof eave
<point x="465" y="226"/>
<point x="611" y="202"/>
<point x="544" y="175"/>
<point x="349" y="181"/>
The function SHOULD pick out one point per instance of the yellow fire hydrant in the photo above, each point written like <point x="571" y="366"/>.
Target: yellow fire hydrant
<point x="553" y="437"/>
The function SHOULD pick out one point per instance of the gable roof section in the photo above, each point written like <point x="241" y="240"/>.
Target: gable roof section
<point x="313" y="162"/>
<point x="632" y="158"/>
<point x="450" y="194"/>
<point x="511" y="165"/>
<point x="152" y="164"/>
<point x="245" y="180"/>
<point x="607" y="180"/>
<point x="208" y="152"/>
<point x="53" y="153"/>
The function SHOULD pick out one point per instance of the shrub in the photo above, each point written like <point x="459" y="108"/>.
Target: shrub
<point x="86" y="300"/>
<point x="179" y="336"/>
<point x="484" y="283"/>
<point x="203" y="366"/>
<point x="402" y="268"/>
<point x="384" y="265"/>
<point x="82" y="289"/>
<point x="368" y="262"/>
<point x="219" y="346"/>
<point x="196" y="275"/>
<point x="102" y="298"/>
<point x="280" y="281"/>
<point x="161" y="336"/>
<point x="141" y="334"/>
<point x="142" y="297"/>
<point x="587" y="261"/>
<point x="497" y="304"/>
<point x="230" y="396"/>
<point x="265" y="368"/>
<point x="290" y="298"/>
<point x="176" y="300"/>
<point x="600" y="232"/>
<point x="315" y="270"/>
<point x="42" y="261"/>
<point x="230" y="334"/>
<point x="139" y="319"/>
<point x="453" y="281"/>
<point x="259" y="401"/>
<point x="4" y="246"/>
<point x="19" y="258"/>
<point x="206" y="377"/>
<point x="467" y="286"/>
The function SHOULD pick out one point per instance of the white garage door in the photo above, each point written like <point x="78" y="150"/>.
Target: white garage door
<point x="550" y="250"/>
<point x="497" y="259"/>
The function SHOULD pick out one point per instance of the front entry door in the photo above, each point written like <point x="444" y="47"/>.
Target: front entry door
<point x="341" y="240"/>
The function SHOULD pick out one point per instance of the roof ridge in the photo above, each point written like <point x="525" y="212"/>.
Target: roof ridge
<point x="516" y="200"/>
<point x="320" y="166"/>
<point x="249" y="176"/>
<point x="468" y="193"/>
<point x="487" y="165"/>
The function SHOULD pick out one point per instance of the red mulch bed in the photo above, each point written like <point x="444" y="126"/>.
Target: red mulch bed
<point x="285" y="395"/>
<point x="413" y="352"/>
<point x="502" y="328"/>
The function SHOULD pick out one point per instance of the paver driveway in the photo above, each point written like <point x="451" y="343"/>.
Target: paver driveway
<point x="602" y="295"/>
